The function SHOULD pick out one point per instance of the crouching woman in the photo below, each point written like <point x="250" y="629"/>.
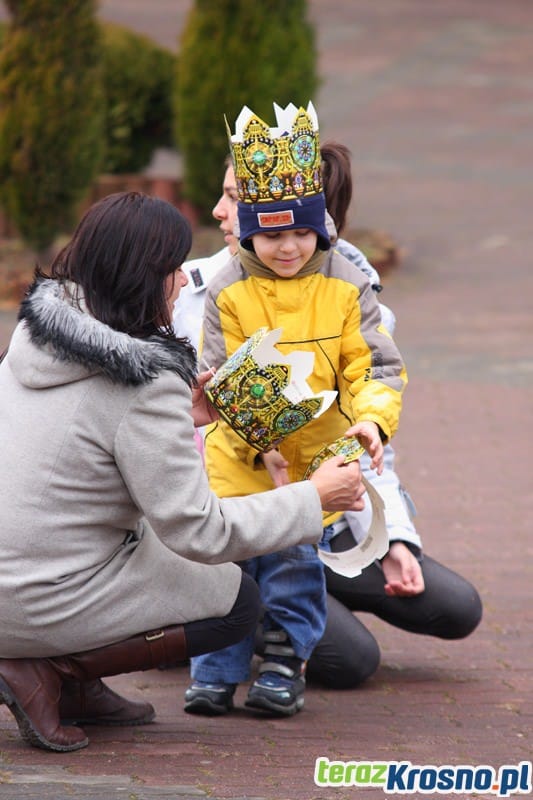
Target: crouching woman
<point x="116" y="556"/>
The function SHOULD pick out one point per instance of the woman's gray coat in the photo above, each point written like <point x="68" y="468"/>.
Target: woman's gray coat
<point x="107" y="524"/>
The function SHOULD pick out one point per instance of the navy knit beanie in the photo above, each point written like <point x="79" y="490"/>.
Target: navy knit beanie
<point x="303" y="212"/>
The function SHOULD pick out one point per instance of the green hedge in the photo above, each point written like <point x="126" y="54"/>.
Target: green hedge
<point x="232" y="53"/>
<point x="138" y="85"/>
<point x="51" y="114"/>
<point x="77" y="99"/>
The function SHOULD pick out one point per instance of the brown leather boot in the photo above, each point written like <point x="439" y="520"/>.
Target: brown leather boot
<point x="94" y="703"/>
<point x="31" y="687"/>
<point x="160" y="648"/>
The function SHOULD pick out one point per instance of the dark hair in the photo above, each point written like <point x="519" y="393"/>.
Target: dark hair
<point x="121" y="254"/>
<point x="337" y="181"/>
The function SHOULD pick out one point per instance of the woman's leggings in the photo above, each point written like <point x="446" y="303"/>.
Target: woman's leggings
<point x="448" y="608"/>
<point x="214" y="633"/>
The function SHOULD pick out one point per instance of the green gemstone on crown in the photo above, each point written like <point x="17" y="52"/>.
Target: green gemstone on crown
<point x="257" y="390"/>
<point x="259" y="158"/>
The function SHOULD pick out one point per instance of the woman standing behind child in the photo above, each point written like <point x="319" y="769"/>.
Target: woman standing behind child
<point x="408" y="589"/>
<point x="286" y="276"/>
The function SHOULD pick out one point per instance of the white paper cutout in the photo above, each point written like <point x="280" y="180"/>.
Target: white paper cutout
<point x="301" y="365"/>
<point x="374" y="545"/>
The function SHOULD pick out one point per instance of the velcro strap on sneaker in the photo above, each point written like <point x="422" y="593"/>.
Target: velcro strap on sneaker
<point x="279" y="650"/>
<point x="274" y="666"/>
<point x="275" y="636"/>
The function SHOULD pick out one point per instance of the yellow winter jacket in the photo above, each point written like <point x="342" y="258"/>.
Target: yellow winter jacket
<point x="335" y="314"/>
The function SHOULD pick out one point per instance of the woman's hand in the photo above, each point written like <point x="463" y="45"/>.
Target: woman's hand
<point x="367" y="434"/>
<point x="339" y="485"/>
<point x="202" y="411"/>
<point x="277" y="467"/>
<point x="403" y="574"/>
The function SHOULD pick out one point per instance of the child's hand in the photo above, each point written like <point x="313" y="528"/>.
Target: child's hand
<point x="276" y="467"/>
<point x="403" y="575"/>
<point x="368" y="435"/>
<point x="202" y="411"/>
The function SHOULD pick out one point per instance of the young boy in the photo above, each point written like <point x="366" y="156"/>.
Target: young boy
<point x="284" y="275"/>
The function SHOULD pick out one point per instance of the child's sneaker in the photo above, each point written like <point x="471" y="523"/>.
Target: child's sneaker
<point x="279" y="689"/>
<point x="210" y="699"/>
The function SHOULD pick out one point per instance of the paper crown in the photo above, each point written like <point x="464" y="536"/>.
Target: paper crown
<point x="281" y="163"/>
<point x="347" y="446"/>
<point x="371" y="543"/>
<point x="263" y="395"/>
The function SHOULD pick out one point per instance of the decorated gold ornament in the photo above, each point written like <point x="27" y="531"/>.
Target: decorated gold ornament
<point x="280" y="163"/>
<point x="347" y="446"/>
<point x="262" y="394"/>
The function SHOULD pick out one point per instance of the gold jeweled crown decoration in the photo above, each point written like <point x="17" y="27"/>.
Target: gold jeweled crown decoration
<point x="372" y="542"/>
<point x="347" y="446"/>
<point x="262" y="394"/>
<point x="281" y="163"/>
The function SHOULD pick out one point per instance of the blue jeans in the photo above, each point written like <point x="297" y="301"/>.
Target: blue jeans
<point x="293" y="594"/>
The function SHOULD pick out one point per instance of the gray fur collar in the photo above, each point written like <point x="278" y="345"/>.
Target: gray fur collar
<point x="73" y="335"/>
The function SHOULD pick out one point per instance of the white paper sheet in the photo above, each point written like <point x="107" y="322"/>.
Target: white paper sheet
<point x="301" y="365"/>
<point x="375" y="544"/>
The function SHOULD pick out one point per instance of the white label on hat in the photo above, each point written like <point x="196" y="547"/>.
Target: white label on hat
<point x="275" y="219"/>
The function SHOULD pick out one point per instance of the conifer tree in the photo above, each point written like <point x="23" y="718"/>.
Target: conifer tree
<point x="234" y="53"/>
<point x="138" y="83"/>
<point x="51" y="113"/>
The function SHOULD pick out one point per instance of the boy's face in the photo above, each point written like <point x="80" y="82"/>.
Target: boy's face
<point x="285" y="252"/>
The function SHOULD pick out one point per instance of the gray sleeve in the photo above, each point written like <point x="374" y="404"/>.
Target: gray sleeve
<point x="357" y="257"/>
<point x="165" y="477"/>
<point x="213" y="349"/>
<point x="213" y="346"/>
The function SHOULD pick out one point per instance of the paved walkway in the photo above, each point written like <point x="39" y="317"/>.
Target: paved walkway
<point x="436" y="103"/>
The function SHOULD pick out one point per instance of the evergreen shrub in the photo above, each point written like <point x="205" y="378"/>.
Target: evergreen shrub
<point x="234" y="53"/>
<point x="51" y="114"/>
<point x="138" y="84"/>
